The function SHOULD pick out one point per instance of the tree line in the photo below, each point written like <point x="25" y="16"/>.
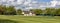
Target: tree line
<point x="7" y="10"/>
<point x="10" y="10"/>
<point x="47" y="11"/>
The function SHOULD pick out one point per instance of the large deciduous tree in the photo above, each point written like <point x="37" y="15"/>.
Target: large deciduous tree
<point x="11" y="10"/>
<point x="2" y="9"/>
<point x="19" y="11"/>
<point x="58" y="11"/>
<point x="37" y="11"/>
<point x="50" y="11"/>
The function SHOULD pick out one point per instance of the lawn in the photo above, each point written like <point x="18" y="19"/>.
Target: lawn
<point x="32" y="19"/>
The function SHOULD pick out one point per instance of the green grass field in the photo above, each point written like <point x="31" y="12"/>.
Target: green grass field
<point x="32" y="19"/>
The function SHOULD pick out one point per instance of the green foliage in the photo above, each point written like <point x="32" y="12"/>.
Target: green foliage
<point x="7" y="10"/>
<point x="58" y="11"/>
<point x="37" y="11"/>
<point x="11" y="10"/>
<point x="19" y="11"/>
<point x="53" y="11"/>
<point x="50" y="11"/>
<point x="2" y="9"/>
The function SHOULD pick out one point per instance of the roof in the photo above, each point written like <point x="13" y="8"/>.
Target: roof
<point x="27" y="12"/>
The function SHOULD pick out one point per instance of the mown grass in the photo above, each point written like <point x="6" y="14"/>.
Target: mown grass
<point x="33" y="19"/>
<point x="7" y="21"/>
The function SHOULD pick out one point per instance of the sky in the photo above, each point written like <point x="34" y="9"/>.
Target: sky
<point x="31" y="4"/>
<point x="44" y="0"/>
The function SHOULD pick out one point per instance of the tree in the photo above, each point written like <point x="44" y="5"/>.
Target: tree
<point x="58" y="11"/>
<point x="19" y="11"/>
<point x="50" y="11"/>
<point x="10" y="10"/>
<point x="37" y="11"/>
<point x="2" y="9"/>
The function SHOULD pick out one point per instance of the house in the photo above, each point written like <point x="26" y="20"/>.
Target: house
<point x="28" y="13"/>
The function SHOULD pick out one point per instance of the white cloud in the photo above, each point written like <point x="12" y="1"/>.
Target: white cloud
<point x="4" y="0"/>
<point x="34" y="2"/>
<point x="26" y="3"/>
<point x="20" y="1"/>
<point x="10" y="0"/>
<point x="30" y="3"/>
<point x="53" y="3"/>
<point x="58" y="3"/>
<point x="30" y="7"/>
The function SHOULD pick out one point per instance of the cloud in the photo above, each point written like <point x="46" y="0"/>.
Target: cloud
<point x="34" y="2"/>
<point x="53" y="3"/>
<point x="20" y="1"/>
<point x="58" y="3"/>
<point x="26" y="3"/>
<point x="30" y="4"/>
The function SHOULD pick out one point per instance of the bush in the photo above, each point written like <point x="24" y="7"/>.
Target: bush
<point x="7" y="21"/>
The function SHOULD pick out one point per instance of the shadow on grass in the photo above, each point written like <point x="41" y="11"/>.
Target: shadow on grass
<point x="7" y="21"/>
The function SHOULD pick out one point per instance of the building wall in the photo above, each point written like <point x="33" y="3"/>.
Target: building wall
<point x="28" y="14"/>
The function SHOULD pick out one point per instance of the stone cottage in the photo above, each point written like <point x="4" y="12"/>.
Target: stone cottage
<point x="28" y="13"/>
